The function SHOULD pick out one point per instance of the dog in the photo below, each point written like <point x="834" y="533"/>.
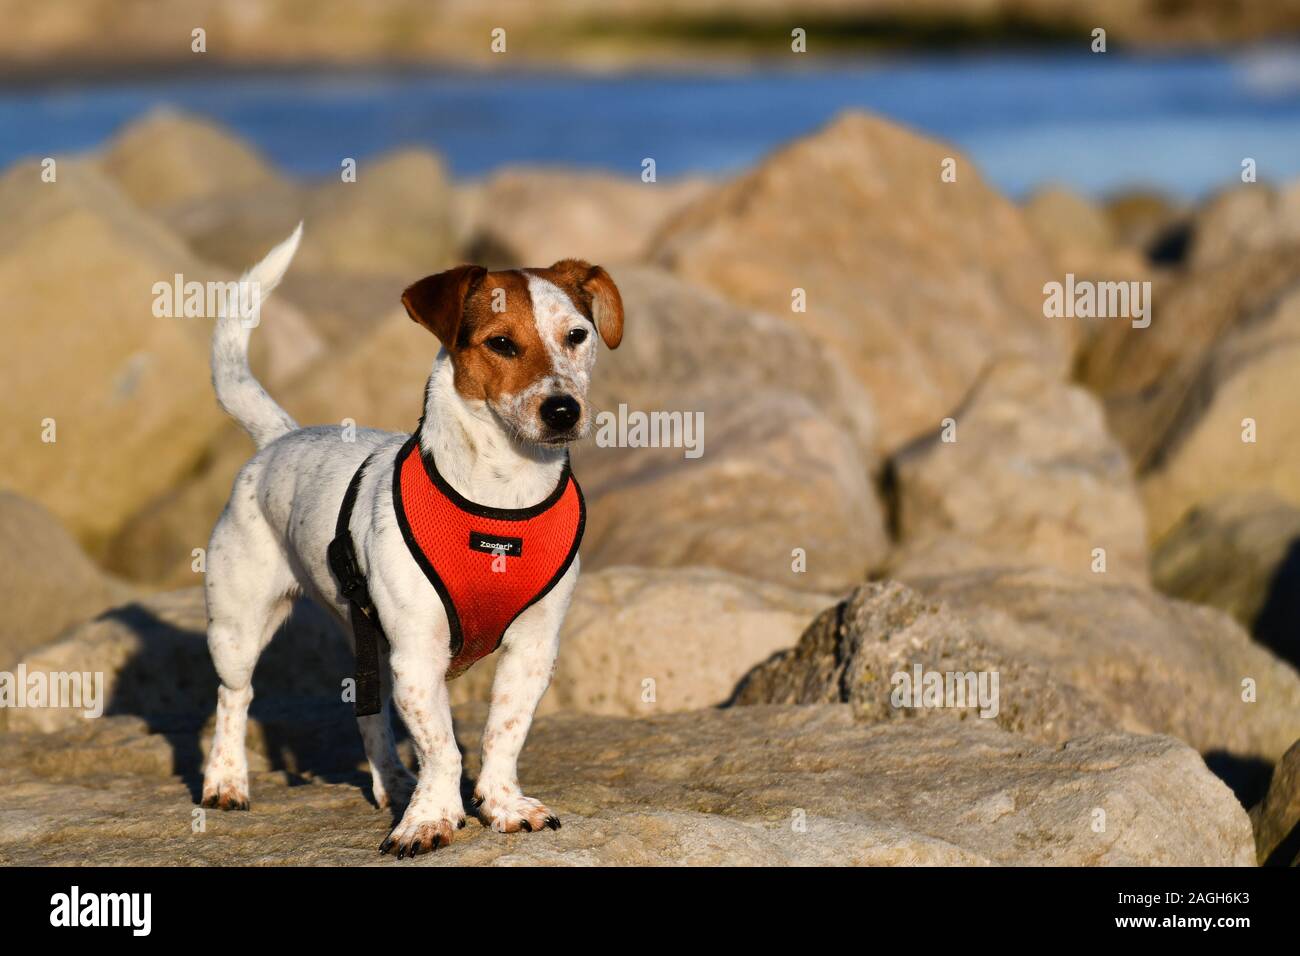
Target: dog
<point x="505" y="398"/>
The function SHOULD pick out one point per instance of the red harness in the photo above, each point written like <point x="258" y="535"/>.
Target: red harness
<point x="487" y="564"/>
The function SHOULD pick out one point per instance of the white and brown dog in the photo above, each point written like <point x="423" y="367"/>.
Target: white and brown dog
<point x="506" y="395"/>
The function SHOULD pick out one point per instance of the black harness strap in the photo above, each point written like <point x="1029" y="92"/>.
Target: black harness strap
<point x="366" y="628"/>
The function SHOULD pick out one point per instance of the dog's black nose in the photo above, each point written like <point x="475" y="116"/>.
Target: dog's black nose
<point x="561" y="412"/>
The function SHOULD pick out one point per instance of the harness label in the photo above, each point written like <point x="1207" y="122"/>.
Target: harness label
<point x="496" y="544"/>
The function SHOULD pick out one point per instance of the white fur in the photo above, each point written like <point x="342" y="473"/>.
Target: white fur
<point x="270" y="545"/>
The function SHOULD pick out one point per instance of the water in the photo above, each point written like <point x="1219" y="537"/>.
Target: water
<point x="1097" y="123"/>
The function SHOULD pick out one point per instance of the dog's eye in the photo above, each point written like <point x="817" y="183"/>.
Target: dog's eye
<point x="502" y="346"/>
<point x="577" y="336"/>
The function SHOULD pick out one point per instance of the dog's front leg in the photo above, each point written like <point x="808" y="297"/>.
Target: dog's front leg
<point x="523" y="673"/>
<point x="420" y="692"/>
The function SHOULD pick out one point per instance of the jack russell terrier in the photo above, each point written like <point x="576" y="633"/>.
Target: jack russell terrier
<point x="432" y="548"/>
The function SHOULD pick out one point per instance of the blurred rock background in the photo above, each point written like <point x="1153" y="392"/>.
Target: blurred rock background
<point x="831" y="535"/>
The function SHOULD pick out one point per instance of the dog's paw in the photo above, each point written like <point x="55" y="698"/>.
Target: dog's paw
<point x="225" y="796"/>
<point x="413" y="837"/>
<point x="509" y="811"/>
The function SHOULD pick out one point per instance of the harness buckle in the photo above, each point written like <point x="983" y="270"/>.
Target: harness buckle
<point x="343" y="562"/>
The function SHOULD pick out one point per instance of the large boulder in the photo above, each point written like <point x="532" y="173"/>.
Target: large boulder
<point x="898" y="271"/>
<point x="1027" y="473"/>
<point x="1147" y="375"/>
<point x="167" y="158"/>
<point x="1237" y="427"/>
<point x="640" y="641"/>
<point x="46" y="582"/>
<point x="78" y="266"/>
<point x="1070" y="659"/>
<point x="394" y="220"/>
<point x="1244" y="221"/>
<point x="1240" y="553"/>
<point x="779" y="493"/>
<point x="535" y="216"/>
<point x="752" y="786"/>
<point x="1276" y="818"/>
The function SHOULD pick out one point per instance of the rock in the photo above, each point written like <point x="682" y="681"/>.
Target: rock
<point x="363" y="242"/>
<point x="1065" y="220"/>
<point x="46" y="582"/>
<point x="1276" y="818"/>
<point x="88" y="358"/>
<point x="395" y="220"/>
<point x="1072" y="659"/>
<point x="1028" y="474"/>
<point x="168" y="158"/>
<point x="1245" y="220"/>
<point x="236" y="228"/>
<point x="1243" y="390"/>
<point x="1239" y="553"/>
<point x="684" y="348"/>
<point x="694" y="632"/>
<point x="751" y="786"/>
<point x="684" y="342"/>
<point x="536" y="216"/>
<point x="779" y="494"/>
<point x="153" y="656"/>
<point x="1143" y="373"/>
<point x="899" y="274"/>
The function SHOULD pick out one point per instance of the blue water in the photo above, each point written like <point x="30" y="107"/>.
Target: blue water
<point x="1095" y="122"/>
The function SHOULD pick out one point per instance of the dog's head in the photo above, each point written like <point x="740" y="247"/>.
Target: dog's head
<point x="523" y="341"/>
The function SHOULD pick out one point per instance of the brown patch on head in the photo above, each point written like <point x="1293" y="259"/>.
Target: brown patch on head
<point x="468" y="306"/>
<point x="593" y="292"/>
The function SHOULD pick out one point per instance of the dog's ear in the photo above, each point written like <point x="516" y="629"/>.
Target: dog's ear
<point x="438" y="302"/>
<point x="594" y="288"/>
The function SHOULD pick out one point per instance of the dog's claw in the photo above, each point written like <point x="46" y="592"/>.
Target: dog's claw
<point x="224" y="801"/>
<point x="409" y="842"/>
<point x="552" y="823"/>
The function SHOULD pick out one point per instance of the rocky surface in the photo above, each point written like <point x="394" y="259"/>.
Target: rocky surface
<point x="1120" y="711"/>
<point x="751" y="786"/>
<point x="1072" y="660"/>
<point x="1026" y="473"/>
<point x="897" y="270"/>
<point x="1241" y="553"/>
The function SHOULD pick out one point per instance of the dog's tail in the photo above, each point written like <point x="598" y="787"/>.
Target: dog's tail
<point x="238" y="392"/>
